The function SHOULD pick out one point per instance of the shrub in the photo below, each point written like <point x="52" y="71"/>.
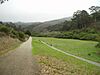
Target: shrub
<point x="28" y="32"/>
<point x="14" y="34"/>
<point x="90" y="30"/>
<point x="21" y="36"/>
<point x="89" y="37"/>
<point x="5" y="29"/>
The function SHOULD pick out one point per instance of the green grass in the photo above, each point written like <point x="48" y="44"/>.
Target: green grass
<point x="84" y="49"/>
<point x="43" y="50"/>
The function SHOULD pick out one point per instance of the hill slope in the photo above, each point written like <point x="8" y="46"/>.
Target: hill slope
<point x="42" y="26"/>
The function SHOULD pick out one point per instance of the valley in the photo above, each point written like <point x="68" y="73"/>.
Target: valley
<point x="49" y="37"/>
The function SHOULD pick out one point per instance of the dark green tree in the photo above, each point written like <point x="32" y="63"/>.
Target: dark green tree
<point x="95" y="12"/>
<point x="81" y="19"/>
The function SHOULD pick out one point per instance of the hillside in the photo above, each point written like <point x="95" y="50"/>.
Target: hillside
<point x="28" y="24"/>
<point x="10" y="37"/>
<point x="42" y="26"/>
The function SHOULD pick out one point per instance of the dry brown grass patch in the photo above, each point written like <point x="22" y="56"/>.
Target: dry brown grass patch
<point x="7" y="43"/>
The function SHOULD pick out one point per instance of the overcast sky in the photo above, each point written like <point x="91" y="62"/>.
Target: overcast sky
<point x="42" y="10"/>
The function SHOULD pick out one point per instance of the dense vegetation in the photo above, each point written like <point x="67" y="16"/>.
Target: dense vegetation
<point x="86" y="26"/>
<point x="7" y="29"/>
<point x="83" y="26"/>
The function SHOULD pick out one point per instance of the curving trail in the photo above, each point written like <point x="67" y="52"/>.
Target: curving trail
<point x="19" y="61"/>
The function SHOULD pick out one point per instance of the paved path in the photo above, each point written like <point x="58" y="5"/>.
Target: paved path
<point x="91" y="62"/>
<point x="19" y="61"/>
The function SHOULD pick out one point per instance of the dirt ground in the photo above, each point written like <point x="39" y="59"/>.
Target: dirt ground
<point x="19" y="62"/>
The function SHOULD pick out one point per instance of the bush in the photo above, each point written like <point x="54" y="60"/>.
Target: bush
<point x="5" y="29"/>
<point x="89" y="37"/>
<point x="21" y="36"/>
<point x="28" y="32"/>
<point x="90" y="30"/>
<point x="75" y="34"/>
<point x="79" y="35"/>
<point x="14" y="34"/>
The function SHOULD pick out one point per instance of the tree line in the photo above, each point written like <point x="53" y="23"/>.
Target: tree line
<point x="83" y="26"/>
<point x="82" y="20"/>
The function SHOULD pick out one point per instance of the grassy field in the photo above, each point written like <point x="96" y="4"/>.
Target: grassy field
<point x="85" y="49"/>
<point x="60" y="63"/>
